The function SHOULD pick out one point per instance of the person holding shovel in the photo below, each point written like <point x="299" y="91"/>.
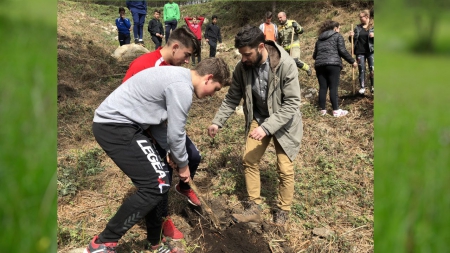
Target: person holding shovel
<point x="181" y="45"/>
<point x="270" y="89"/>
<point x="289" y="38"/>
<point x="329" y="49"/>
<point x="153" y="97"/>
<point x="363" y="39"/>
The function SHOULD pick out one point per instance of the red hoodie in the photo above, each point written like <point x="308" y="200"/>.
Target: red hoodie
<point x="195" y="28"/>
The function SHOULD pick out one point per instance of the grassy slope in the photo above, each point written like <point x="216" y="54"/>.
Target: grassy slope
<point x="334" y="182"/>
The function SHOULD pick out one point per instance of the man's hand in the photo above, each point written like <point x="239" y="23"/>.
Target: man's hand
<point x="184" y="174"/>
<point x="258" y="133"/>
<point x="212" y="130"/>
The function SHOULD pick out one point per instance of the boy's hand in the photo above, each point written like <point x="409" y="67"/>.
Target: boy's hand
<point x="170" y="162"/>
<point x="212" y="130"/>
<point x="184" y="174"/>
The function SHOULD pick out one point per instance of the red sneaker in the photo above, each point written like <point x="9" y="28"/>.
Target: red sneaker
<point x="190" y="194"/>
<point x="170" y="230"/>
<point x="108" y="247"/>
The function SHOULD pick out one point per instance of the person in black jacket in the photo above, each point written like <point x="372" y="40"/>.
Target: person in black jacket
<point x="155" y="29"/>
<point x="363" y="37"/>
<point x="329" y="49"/>
<point x="212" y="35"/>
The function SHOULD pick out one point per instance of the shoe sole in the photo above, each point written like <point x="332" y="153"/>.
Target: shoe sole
<point x="237" y="221"/>
<point x="185" y="196"/>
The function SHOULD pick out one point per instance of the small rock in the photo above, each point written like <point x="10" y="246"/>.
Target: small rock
<point x="239" y="110"/>
<point x="323" y="232"/>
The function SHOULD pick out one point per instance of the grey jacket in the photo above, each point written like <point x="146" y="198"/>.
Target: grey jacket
<point x="283" y="99"/>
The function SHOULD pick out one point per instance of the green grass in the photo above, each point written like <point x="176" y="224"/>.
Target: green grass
<point x="27" y="132"/>
<point x="412" y="143"/>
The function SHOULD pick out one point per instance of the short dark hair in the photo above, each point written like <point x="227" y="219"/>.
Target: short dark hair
<point x="327" y="25"/>
<point x="268" y="14"/>
<point x="121" y="9"/>
<point x="186" y="37"/>
<point x="217" y="67"/>
<point x="158" y="11"/>
<point x="213" y="17"/>
<point x="250" y="36"/>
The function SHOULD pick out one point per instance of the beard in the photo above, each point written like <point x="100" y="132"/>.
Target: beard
<point x="256" y="63"/>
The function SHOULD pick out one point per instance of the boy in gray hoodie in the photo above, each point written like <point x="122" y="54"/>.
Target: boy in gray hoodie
<point x="158" y="98"/>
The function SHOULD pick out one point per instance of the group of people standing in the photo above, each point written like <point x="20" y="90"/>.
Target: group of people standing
<point x="328" y="51"/>
<point x="141" y="124"/>
<point x="171" y="16"/>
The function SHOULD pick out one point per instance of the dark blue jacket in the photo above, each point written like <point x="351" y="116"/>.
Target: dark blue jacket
<point x="137" y="6"/>
<point x="123" y="25"/>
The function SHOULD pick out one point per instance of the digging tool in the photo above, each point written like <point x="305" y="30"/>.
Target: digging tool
<point x="205" y="206"/>
<point x="353" y="70"/>
<point x="292" y="40"/>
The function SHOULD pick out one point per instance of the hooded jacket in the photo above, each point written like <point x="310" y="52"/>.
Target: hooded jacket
<point x="137" y="6"/>
<point x="171" y="12"/>
<point x="329" y="49"/>
<point x="283" y="100"/>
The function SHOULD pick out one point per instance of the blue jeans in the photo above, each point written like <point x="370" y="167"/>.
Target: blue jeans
<point x="138" y="25"/>
<point x="362" y="68"/>
<point x="170" y="25"/>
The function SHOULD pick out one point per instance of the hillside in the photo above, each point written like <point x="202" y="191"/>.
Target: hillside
<point x="334" y="170"/>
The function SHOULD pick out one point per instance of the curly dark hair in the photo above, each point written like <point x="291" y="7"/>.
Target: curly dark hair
<point x="327" y="25"/>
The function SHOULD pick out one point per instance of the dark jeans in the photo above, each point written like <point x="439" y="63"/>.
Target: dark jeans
<point x="138" y="25"/>
<point x="134" y="153"/>
<point x="157" y="40"/>
<point x="212" y="48"/>
<point x="328" y="77"/>
<point x="124" y="38"/>
<point x="362" y="68"/>
<point x="194" y="158"/>
<point x="199" y="57"/>
<point x="170" y="25"/>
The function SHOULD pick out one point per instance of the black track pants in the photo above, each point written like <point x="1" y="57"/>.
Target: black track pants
<point x="134" y="153"/>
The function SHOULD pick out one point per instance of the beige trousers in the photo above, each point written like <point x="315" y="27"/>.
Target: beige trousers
<point x="254" y="150"/>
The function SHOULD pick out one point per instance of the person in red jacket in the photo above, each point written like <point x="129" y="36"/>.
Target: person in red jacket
<point x="195" y="24"/>
<point x="181" y="45"/>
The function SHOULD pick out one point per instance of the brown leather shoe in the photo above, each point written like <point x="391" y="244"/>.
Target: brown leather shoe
<point x="251" y="214"/>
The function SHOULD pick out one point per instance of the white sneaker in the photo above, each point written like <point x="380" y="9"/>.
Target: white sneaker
<point x="371" y="89"/>
<point x="362" y="90"/>
<point x="340" y="113"/>
<point x="323" y="112"/>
